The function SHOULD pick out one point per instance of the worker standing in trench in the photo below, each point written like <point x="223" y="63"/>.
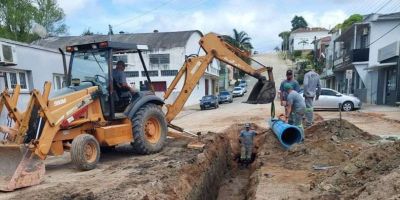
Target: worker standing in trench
<point x="246" y="141"/>
<point x="296" y="108"/>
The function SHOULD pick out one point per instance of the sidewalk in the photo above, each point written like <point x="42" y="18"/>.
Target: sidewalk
<point x="386" y="112"/>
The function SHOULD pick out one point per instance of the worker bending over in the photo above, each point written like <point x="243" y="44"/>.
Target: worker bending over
<point x="246" y="141"/>
<point x="296" y="108"/>
<point x="283" y="94"/>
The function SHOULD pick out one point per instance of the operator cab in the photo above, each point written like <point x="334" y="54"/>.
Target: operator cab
<point x="92" y="65"/>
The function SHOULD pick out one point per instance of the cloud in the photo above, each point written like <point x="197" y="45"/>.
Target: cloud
<point x="262" y="20"/>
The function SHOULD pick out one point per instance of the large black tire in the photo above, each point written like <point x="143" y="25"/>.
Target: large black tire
<point x="85" y="152"/>
<point x="149" y="129"/>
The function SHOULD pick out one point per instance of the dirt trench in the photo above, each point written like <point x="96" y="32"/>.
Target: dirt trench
<point x="336" y="161"/>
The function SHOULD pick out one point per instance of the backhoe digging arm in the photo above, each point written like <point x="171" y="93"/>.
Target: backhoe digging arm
<point x="195" y="66"/>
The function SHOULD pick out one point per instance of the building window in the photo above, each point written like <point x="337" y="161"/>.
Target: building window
<point x="132" y="73"/>
<point x="169" y="72"/>
<point x="151" y="73"/>
<point x="15" y="78"/>
<point x="159" y="61"/>
<point x="120" y="57"/>
<point x="58" y="81"/>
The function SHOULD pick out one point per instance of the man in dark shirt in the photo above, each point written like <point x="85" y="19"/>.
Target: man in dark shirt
<point x="119" y="77"/>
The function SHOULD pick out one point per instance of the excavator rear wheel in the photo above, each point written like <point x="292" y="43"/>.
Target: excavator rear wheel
<point x="149" y="129"/>
<point x="85" y="152"/>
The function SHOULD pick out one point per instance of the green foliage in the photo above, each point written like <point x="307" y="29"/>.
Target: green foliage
<point x="297" y="54"/>
<point x="18" y="16"/>
<point x="298" y="22"/>
<point x="285" y="37"/>
<point x="50" y="16"/>
<point x="351" y="20"/>
<point x="87" y="32"/>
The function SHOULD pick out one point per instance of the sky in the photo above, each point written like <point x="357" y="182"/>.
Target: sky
<point x="262" y="20"/>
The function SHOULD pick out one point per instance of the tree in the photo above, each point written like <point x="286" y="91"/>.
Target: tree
<point x="110" y="30"/>
<point x="285" y="37"/>
<point x="242" y="40"/>
<point x="298" y="22"/>
<point x="87" y="32"/>
<point x="303" y="42"/>
<point x="277" y="49"/>
<point x="17" y="18"/>
<point x="351" y="20"/>
<point x="50" y="16"/>
<point x="15" y="24"/>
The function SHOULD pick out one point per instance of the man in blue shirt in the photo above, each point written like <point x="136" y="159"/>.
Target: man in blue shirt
<point x="119" y="77"/>
<point x="296" y="108"/>
<point x="246" y="141"/>
<point x="295" y="85"/>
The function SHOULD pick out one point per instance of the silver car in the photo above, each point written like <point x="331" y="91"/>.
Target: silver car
<point x="330" y="99"/>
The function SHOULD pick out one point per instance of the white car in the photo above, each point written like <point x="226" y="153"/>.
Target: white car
<point x="330" y="99"/>
<point x="237" y="91"/>
<point x="244" y="86"/>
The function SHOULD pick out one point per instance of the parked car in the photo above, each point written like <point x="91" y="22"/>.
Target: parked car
<point x="330" y="99"/>
<point x="209" y="101"/>
<point x="225" y="96"/>
<point x="238" y="91"/>
<point x="244" y="86"/>
<point x="243" y="82"/>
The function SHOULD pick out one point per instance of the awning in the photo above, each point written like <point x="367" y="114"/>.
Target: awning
<point x="380" y="66"/>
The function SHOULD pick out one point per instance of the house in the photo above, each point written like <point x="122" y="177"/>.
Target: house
<point x="302" y="39"/>
<point x="368" y="54"/>
<point x="166" y="55"/>
<point x="29" y="66"/>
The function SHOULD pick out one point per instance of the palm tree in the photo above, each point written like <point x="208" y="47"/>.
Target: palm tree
<point x="243" y="40"/>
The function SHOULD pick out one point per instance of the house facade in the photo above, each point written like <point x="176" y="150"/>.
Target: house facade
<point x="302" y="39"/>
<point x="29" y="66"/>
<point x="368" y="53"/>
<point x="166" y="55"/>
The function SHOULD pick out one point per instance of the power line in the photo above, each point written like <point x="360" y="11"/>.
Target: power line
<point x="383" y="35"/>
<point x="145" y="13"/>
<point x="384" y="5"/>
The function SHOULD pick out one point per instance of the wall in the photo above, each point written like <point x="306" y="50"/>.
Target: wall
<point x="40" y="63"/>
<point x="378" y="29"/>
<point x="309" y="36"/>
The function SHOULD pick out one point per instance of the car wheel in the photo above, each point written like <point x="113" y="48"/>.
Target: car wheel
<point x="231" y="101"/>
<point x="347" y="106"/>
<point x="201" y="108"/>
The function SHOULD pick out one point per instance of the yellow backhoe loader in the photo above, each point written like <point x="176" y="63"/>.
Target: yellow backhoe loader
<point x="92" y="111"/>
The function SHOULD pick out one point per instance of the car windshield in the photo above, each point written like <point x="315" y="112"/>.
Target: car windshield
<point x="224" y="93"/>
<point x="237" y="88"/>
<point x="89" y="66"/>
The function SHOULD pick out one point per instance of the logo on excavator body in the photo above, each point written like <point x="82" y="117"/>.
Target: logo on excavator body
<point x="60" y="102"/>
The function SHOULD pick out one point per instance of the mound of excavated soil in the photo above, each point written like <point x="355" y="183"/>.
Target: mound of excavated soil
<point x="373" y="174"/>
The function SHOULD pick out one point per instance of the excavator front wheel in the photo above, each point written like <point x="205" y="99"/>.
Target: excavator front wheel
<point x="85" y="152"/>
<point x="149" y="129"/>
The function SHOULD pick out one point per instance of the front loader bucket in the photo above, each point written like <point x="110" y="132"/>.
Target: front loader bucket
<point x="19" y="167"/>
<point x="263" y="92"/>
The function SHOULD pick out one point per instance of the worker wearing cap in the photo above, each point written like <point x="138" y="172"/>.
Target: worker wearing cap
<point x="295" y="85"/>
<point x="312" y="89"/>
<point x="246" y="141"/>
<point x="119" y="77"/>
<point x="296" y="107"/>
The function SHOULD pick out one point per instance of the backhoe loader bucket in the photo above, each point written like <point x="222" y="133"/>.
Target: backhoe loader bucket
<point x="19" y="167"/>
<point x="263" y="92"/>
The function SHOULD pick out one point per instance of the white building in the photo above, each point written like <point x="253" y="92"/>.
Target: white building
<point x="302" y="39"/>
<point x="166" y="55"/>
<point x="364" y="48"/>
<point x="30" y="66"/>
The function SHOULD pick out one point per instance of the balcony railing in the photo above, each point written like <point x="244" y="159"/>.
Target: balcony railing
<point x="355" y="55"/>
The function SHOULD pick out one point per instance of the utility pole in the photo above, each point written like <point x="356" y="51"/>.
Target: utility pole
<point x="315" y="51"/>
